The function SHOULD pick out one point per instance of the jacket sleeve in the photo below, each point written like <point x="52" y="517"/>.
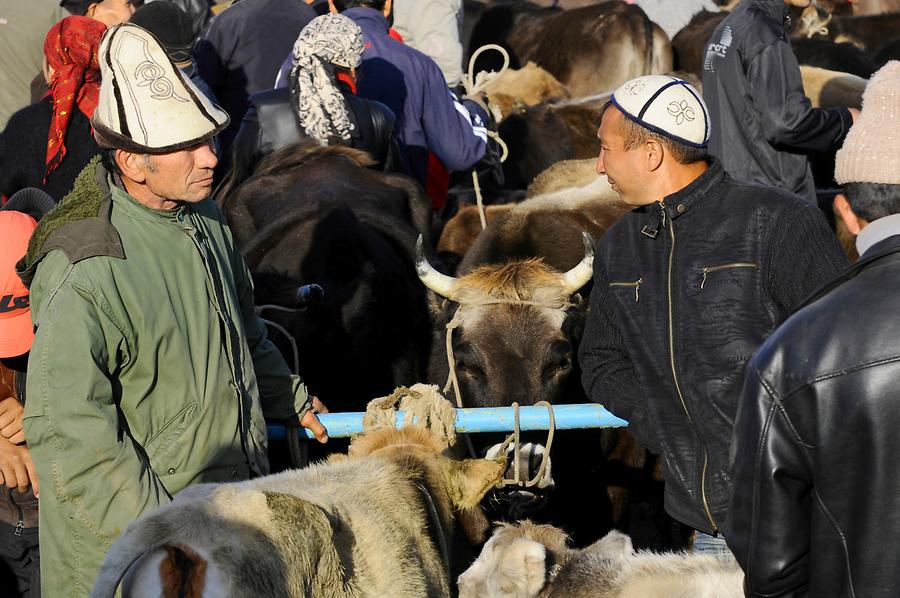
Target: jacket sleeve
<point x="607" y="373"/>
<point x="768" y="518"/>
<point x="283" y="395"/>
<point x="455" y="133"/>
<point x="213" y="51"/>
<point x="788" y="119"/>
<point x="97" y="478"/>
<point x="805" y="255"/>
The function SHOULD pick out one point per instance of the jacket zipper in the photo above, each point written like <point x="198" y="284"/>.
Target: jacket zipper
<point x="636" y="284"/>
<point x="709" y="269"/>
<point x="20" y="524"/>
<point x="662" y="207"/>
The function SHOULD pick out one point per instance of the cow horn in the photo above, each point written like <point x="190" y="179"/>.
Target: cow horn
<point x="441" y="284"/>
<point x="578" y="276"/>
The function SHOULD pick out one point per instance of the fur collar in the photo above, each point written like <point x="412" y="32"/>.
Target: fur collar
<point x="79" y="226"/>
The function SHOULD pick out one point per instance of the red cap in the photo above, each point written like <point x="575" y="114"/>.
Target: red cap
<point x="16" y="329"/>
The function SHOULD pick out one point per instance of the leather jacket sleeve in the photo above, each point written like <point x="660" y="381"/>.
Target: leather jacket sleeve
<point x="607" y="372"/>
<point x="768" y="527"/>
<point x="788" y="119"/>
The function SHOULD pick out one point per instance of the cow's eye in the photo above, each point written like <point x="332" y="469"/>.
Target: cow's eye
<point x="471" y="370"/>
<point x="558" y="360"/>
<point x="557" y="367"/>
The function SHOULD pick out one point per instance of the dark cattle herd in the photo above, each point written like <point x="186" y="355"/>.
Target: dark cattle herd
<point x="512" y="296"/>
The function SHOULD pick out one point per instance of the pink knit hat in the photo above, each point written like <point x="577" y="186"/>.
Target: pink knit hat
<point x="871" y="151"/>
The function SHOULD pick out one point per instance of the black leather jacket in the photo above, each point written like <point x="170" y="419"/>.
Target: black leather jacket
<point x="814" y="511"/>
<point x="271" y="124"/>
<point x="764" y="124"/>
<point x="684" y="293"/>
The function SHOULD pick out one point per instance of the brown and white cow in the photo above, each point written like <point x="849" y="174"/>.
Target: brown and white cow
<point x="379" y="522"/>
<point x="590" y="49"/>
<point x="535" y="561"/>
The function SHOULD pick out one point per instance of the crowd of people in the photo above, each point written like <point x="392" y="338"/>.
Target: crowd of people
<point x="726" y="323"/>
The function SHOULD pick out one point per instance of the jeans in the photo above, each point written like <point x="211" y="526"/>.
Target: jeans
<point x="20" y="565"/>
<point x="712" y="546"/>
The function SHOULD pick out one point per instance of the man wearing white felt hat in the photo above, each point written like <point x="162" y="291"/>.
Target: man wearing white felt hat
<point x="150" y="370"/>
<point x="686" y="287"/>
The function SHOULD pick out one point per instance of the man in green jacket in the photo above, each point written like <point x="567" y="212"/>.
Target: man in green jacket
<point x="150" y="370"/>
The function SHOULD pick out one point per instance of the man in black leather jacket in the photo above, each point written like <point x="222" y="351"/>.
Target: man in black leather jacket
<point x="765" y="124"/>
<point x="686" y="287"/>
<point x="814" y="511"/>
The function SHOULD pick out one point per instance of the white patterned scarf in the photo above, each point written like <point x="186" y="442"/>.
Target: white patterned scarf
<point x="327" y="41"/>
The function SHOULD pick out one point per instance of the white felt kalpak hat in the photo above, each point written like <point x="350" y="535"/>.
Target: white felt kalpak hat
<point x="147" y="104"/>
<point x="665" y="105"/>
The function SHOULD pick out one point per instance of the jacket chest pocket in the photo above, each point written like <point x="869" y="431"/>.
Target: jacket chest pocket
<point x="633" y="285"/>
<point x="723" y="274"/>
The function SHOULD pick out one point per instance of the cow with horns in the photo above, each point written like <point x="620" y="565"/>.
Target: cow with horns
<point x="508" y="332"/>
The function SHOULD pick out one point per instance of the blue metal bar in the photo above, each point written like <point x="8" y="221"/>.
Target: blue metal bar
<point x="493" y="419"/>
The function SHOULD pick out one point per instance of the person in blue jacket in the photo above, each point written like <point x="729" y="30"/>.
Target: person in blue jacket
<point x="430" y="118"/>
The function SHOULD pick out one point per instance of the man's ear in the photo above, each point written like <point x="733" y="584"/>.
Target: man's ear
<point x="132" y="165"/>
<point x="842" y="207"/>
<point x="654" y="153"/>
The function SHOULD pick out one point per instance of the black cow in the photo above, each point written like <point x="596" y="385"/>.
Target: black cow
<point x="314" y="214"/>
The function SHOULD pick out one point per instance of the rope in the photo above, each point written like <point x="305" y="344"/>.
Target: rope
<point x="283" y="331"/>
<point x="514" y="438"/>
<point x="298" y="451"/>
<point x="453" y="381"/>
<point x="816" y="20"/>
<point x="475" y="85"/>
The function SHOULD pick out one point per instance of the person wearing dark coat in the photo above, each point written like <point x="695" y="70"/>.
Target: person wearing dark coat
<point x="47" y="144"/>
<point x="241" y="50"/>
<point x="430" y="118"/>
<point x="319" y="106"/>
<point x="686" y="287"/>
<point x="765" y="125"/>
<point x="815" y="445"/>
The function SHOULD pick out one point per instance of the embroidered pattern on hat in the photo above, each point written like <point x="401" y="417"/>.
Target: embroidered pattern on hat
<point x="152" y="74"/>
<point x="681" y="111"/>
<point x="634" y="87"/>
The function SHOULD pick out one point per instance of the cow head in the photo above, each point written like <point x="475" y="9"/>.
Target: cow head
<point x="513" y="328"/>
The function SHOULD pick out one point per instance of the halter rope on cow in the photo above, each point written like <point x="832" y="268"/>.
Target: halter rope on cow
<point x="473" y="88"/>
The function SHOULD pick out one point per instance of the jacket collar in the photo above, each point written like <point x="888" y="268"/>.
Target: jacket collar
<point x="876" y="232"/>
<point x="882" y="249"/>
<point x="776" y="10"/>
<point x="368" y="19"/>
<point x="683" y="201"/>
<point x="79" y="226"/>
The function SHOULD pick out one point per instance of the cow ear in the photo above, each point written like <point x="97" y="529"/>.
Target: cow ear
<point x="523" y="569"/>
<point x="613" y="546"/>
<point x="468" y="481"/>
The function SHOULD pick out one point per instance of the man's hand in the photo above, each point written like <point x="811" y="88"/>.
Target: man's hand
<point x="16" y="467"/>
<point x="854" y="113"/>
<point x="11" y="420"/>
<point x="310" y="420"/>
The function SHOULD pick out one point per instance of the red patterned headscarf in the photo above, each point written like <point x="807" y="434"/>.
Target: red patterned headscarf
<point x="71" y="50"/>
